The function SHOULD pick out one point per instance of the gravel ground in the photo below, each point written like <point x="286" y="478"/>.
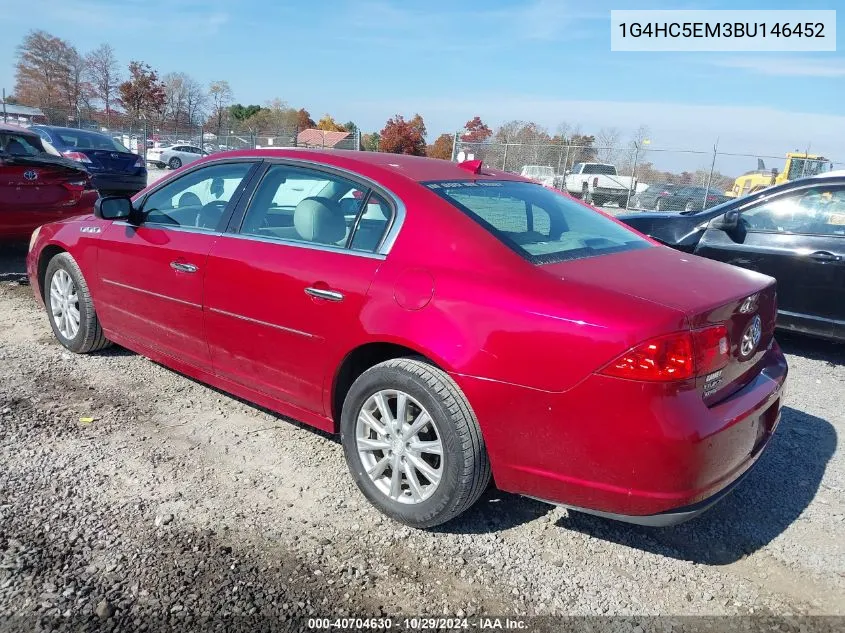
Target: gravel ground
<point x="181" y="506"/>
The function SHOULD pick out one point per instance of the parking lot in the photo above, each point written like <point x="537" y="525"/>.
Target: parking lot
<point x="129" y="490"/>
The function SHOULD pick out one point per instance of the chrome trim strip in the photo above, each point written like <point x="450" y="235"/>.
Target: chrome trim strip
<point x="151" y="293"/>
<point x="811" y="317"/>
<point x="329" y="295"/>
<point x="170" y="227"/>
<point x="317" y="247"/>
<point x="259" y="322"/>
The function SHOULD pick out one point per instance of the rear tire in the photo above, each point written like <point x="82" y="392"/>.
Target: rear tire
<point x="70" y="308"/>
<point x="175" y="163"/>
<point x="459" y="473"/>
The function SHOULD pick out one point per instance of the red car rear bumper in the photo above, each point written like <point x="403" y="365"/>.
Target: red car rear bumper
<point x="641" y="452"/>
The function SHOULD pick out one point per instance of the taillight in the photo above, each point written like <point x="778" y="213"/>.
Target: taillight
<point x="595" y="182"/>
<point x="673" y="357"/>
<point x="139" y="163"/>
<point x="75" y="185"/>
<point x="79" y="157"/>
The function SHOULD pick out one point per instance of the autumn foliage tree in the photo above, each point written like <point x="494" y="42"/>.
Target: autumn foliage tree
<point x="442" y="147"/>
<point x="476" y="131"/>
<point x="403" y="137"/>
<point x="143" y="93"/>
<point x="304" y="120"/>
<point x="49" y="72"/>
<point x="328" y="124"/>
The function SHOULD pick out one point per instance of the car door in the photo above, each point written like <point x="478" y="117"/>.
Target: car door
<point x="151" y="271"/>
<point x="288" y="283"/>
<point x="798" y="237"/>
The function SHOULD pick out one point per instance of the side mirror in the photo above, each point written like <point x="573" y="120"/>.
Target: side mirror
<point x="113" y="208"/>
<point x="728" y="222"/>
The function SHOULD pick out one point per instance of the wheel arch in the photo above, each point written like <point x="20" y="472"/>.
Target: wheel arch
<point x="363" y="357"/>
<point x="47" y="253"/>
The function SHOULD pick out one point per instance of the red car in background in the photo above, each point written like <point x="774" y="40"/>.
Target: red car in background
<point x="37" y="185"/>
<point x="447" y="320"/>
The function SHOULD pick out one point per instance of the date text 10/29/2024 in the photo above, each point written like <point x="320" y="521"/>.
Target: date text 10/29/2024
<point x="419" y="624"/>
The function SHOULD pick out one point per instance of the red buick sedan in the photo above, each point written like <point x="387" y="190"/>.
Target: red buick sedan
<point x="449" y="321"/>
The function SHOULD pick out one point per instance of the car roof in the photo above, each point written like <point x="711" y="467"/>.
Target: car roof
<point x="417" y="168"/>
<point x="57" y="128"/>
<point x="17" y="129"/>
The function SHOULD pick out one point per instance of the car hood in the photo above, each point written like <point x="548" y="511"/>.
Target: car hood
<point x="662" y="275"/>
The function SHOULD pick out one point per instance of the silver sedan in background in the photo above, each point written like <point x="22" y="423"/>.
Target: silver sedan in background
<point x="174" y="156"/>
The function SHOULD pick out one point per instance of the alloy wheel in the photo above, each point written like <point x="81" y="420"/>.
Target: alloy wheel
<point x="64" y="304"/>
<point x="400" y="446"/>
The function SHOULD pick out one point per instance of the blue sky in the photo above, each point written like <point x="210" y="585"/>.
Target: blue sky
<point x="542" y="60"/>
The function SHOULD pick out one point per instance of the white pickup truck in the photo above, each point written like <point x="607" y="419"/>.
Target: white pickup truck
<point x="599" y="183"/>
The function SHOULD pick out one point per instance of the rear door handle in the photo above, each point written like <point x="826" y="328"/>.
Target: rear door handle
<point x="322" y="293"/>
<point x="183" y="267"/>
<point x="824" y="256"/>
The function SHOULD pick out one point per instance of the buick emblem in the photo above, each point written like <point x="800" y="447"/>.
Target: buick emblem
<point x="751" y="337"/>
<point x="749" y="305"/>
<point x="30" y="174"/>
<point x="113" y="155"/>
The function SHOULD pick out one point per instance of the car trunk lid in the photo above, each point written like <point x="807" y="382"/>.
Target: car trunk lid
<point x="709" y="293"/>
<point x="32" y="181"/>
<point x="111" y="161"/>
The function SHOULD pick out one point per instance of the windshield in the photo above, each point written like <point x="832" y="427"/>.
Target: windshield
<point x="541" y="225"/>
<point x="601" y="170"/>
<point x="80" y="139"/>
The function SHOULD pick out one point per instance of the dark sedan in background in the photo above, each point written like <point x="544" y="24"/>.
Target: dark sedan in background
<point x="794" y="232"/>
<point x="114" y="169"/>
<point x="669" y="197"/>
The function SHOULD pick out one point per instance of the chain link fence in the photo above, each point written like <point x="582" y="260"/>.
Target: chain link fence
<point x="620" y="176"/>
<point x="142" y="134"/>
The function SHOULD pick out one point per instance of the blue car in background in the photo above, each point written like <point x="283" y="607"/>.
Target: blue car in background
<point x="114" y="169"/>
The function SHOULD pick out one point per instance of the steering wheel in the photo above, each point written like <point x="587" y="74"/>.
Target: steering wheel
<point x="212" y="211"/>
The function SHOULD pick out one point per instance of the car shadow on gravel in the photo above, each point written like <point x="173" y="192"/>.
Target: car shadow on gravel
<point x="773" y="496"/>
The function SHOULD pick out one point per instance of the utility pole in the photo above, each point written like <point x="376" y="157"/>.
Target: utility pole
<point x="4" y="105"/>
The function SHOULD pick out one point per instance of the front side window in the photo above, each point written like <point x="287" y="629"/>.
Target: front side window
<point x="197" y="199"/>
<point x="541" y="225"/>
<point x="298" y="204"/>
<point x="816" y="211"/>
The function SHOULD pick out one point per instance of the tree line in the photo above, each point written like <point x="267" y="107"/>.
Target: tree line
<point x="91" y="87"/>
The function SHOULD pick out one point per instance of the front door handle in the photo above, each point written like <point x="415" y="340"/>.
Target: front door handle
<point x="824" y="256"/>
<point x="322" y="293"/>
<point x="183" y="267"/>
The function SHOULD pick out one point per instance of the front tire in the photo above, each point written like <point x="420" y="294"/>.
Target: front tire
<point x="412" y="443"/>
<point x="70" y="308"/>
<point x="175" y="163"/>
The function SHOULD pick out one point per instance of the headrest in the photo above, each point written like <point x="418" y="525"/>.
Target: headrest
<point x="319" y="220"/>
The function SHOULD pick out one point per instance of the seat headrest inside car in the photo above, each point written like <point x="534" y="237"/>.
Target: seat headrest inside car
<point x="319" y="220"/>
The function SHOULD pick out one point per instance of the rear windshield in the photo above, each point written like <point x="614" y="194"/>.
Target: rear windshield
<point x="20" y="144"/>
<point x="541" y="225"/>
<point x="79" y="139"/>
<point x="602" y="170"/>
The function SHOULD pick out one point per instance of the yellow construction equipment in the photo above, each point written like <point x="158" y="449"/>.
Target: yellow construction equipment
<point x="798" y="165"/>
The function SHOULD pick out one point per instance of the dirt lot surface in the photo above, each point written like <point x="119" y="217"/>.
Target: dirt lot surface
<point x="181" y="506"/>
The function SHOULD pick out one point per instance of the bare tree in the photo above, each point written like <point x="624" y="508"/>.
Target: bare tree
<point x="175" y="94"/>
<point x="221" y="96"/>
<point x="103" y="74"/>
<point x="195" y="100"/>
<point x="607" y="141"/>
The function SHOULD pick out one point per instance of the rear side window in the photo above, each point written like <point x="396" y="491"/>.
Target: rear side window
<point x="79" y="139"/>
<point x="606" y="170"/>
<point x="541" y="225"/>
